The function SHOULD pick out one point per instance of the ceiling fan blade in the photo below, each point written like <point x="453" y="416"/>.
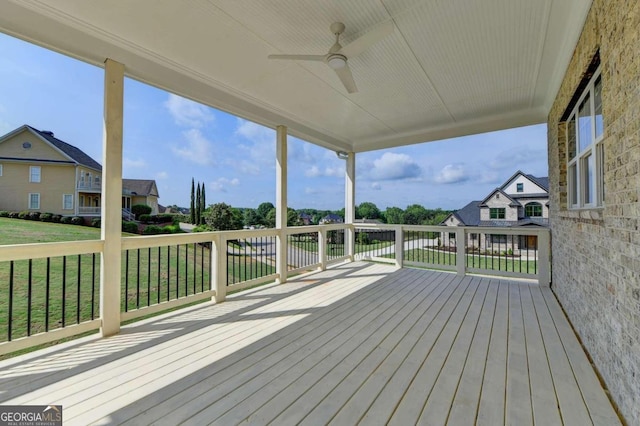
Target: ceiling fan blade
<point x="299" y="57"/>
<point x="364" y="42"/>
<point x="346" y="78"/>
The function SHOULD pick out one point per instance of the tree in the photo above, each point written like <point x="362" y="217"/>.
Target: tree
<point x="270" y="219"/>
<point x="367" y="210"/>
<point x="222" y="217"/>
<point x="250" y="217"/>
<point x="394" y="215"/>
<point x="198" y="206"/>
<point x="203" y="203"/>
<point x="262" y="211"/>
<point x="415" y="214"/>
<point x="293" y="218"/>
<point x="192" y="208"/>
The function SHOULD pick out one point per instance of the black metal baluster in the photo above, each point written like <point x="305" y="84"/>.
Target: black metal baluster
<point x="138" y="279"/>
<point x="10" y="318"/>
<point x="64" y="288"/>
<point x="126" y="281"/>
<point x="46" y="295"/>
<point x="29" y="294"/>
<point x="78" y="292"/>
<point x="178" y="271"/>
<point x="159" y="262"/>
<point x="149" y="276"/>
<point x="93" y="285"/>
<point x="168" y="271"/>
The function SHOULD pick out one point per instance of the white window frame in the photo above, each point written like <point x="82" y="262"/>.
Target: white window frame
<point x="64" y="198"/>
<point x="29" y="201"/>
<point x="32" y="169"/>
<point x="0" y="169"/>
<point x="590" y="157"/>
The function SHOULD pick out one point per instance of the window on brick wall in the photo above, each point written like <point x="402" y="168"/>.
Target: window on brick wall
<point x="497" y="213"/>
<point x="533" y="209"/>
<point x="585" y="153"/>
<point x="520" y="187"/>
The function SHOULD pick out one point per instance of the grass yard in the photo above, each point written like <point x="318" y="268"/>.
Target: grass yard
<point x="496" y="263"/>
<point x="156" y="274"/>
<point x="312" y="246"/>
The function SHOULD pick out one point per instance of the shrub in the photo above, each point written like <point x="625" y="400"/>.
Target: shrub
<point x="130" y="227"/>
<point x="163" y="218"/>
<point x="24" y="215"/>
<point x="4" y="213"/>
<point x="66" y="220"/>
<point x="203" y="228"/>
<point x="14" y="215"/>
<point x="56" y="218"/>
<point x="181" y="218"/>
<point x="152" y="230"/>
<point x="140" y="209"/>
<point x="510" y="252"/>
<point x="77" y="220"/>
<point x="34" y="216"/>
<point x="363" y="238"/>
<point x="144" y="218"/>
<point x="46" y="217"/>
<point x="96" y="222"/>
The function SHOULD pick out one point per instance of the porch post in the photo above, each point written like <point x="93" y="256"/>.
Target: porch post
<point x="461" y="255"/>
<point x="281" y="203"/>
<point x="219" y="270"/>
<point x="111" y="224"/>
<point x="544" y="258"/>
<point x="350" y="205"/>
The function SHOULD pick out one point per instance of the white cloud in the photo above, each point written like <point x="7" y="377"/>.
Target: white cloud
<point x="310" y="191"/>
<point x="198" y="150"/>
<point x="162" y="175"/>
<point x="129" y="163"/>
<point x="315" y="171"/>
<point x="186" y="112"/>
<point x="376" y="186"/>
<point x="221" y="184"/>
<point x="518" y="158"/>
<point x="255" y="132"/>
<point x="452" y="173"/>
<point x="393" y="166"/>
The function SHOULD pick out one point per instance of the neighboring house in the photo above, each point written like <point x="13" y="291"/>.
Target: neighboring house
<point x="523" y="200"/>
<point x="331" y="218"/>
<point x="140" y="191"/>
<point x="39" y="172"/>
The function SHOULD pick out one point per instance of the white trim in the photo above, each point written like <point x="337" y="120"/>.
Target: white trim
<point x="63" y="202"/>
<point x="29" y="201"/>
<point x="31" y="175"/>
<point x="587" y="161"/>
<point x="0" y="169"/>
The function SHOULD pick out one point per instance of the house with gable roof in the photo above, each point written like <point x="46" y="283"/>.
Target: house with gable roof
<point x="523" y="200"/>
<point x="39" y="172"/>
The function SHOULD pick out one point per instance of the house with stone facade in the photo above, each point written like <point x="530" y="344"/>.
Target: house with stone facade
<point x="523" y="200"/>
<point x="40" y="172"/>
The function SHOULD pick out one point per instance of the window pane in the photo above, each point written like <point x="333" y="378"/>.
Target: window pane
<point x="597" y="98"/>
<point x="34" y="201"/>
<point x="571" y="138"/>
<point x="68" y="202"/>
<point x="584" y="124"/>
<point x="587" y="179"/>
<point x="519" y="187"/>
<point x="34" y="174"/>
<point x="573" y="185"/>
<point x="601" y="173"/>
<point x="533" y="210"/>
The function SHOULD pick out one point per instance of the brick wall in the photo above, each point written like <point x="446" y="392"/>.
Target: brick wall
<point x="596" y="253"/>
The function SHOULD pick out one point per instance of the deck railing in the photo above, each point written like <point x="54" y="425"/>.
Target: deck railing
<point x="45" y="297"/>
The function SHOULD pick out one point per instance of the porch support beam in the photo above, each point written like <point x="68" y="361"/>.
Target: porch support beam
<point x="350" y="205"/>
<point x="281" y="203"/>
<point x="110" y="208"/>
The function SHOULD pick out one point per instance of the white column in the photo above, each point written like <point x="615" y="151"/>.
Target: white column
<point x="544" y="258"/>
<point x="111" y="198"/>
<point x="322" y="248"/>
<point x="399" y="246"/>
<point x="461" y="255"/>
<point x="219" y="270"/>
<point x="281" y="203"/>
<point x="350" y="205"/>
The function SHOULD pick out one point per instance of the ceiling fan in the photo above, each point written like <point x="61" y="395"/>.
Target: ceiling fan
<point x="338" y="56"/>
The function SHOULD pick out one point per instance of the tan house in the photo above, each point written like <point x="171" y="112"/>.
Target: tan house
<point x="39" y="172"/>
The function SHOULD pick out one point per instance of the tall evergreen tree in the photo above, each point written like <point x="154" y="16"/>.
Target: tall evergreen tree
<point x="198" y="206"/>
<point x="192" y="207"/>
<point x="203" y="204"/>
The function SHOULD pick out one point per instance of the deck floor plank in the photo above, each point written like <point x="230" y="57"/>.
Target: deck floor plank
<point x="360" y="343"/>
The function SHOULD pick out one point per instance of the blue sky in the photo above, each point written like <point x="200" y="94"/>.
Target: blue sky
<point x="171" y="140"/>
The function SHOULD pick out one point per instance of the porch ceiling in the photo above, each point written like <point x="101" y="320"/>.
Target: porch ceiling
<point x="450" y="68"/>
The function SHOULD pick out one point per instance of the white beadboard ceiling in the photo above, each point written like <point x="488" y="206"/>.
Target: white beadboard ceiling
<point x="450" y="68"/>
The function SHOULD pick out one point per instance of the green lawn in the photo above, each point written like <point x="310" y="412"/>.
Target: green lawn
<point x="496" y="263"/>
<point x="312" y="246"/>
<point x="153" y="274"/>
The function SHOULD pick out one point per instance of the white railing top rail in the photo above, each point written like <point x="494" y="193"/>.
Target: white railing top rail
<point x="43" y="250"/>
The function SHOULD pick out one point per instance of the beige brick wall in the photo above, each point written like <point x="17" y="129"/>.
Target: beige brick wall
<point x="596" y="253"/>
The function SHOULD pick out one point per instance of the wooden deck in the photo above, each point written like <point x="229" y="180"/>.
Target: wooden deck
<point x="360" y="343"/>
